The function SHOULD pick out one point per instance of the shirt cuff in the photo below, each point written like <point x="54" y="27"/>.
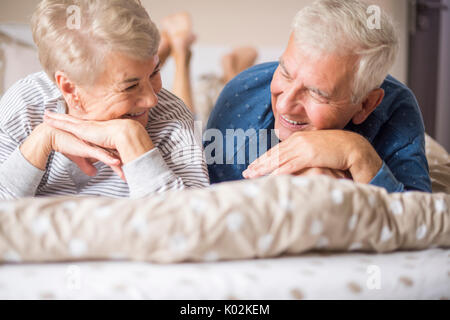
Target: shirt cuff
<point x="19" y="176"/>
<point x="146" y="173"/>
<point x="386" y="179"/>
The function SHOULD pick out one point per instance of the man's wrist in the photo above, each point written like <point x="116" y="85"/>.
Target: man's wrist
<point x="364" y="162"/>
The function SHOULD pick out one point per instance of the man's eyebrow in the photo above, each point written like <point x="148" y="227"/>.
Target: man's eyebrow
<point x="319" y="92"/>
<point x="283" y="66"/>
<point x="315" y="90"/>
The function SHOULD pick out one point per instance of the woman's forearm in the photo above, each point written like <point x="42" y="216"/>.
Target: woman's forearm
<point x="37" y="147"/>
<point x="132" y="142"/>
<point x="22" y="172"/>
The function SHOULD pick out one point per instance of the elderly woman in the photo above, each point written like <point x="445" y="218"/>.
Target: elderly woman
<point x="97" y="121"/>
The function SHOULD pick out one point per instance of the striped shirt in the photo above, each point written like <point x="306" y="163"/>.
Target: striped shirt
<point x="176" y="162"/>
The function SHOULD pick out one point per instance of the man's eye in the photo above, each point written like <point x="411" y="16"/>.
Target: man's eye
<point x="318" y="97"/>
<point x="131" y="87"/>
<point x="285" y="75"/>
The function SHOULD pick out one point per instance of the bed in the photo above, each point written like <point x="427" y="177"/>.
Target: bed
<point x="271" y="238"/>
<point x="403" y="275"/>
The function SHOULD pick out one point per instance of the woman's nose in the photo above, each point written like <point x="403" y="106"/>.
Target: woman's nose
<point x="148" y="97"/>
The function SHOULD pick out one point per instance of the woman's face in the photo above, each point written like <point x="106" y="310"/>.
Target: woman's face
<point x="126" y="89"/>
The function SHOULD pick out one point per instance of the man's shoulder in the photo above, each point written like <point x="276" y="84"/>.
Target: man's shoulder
<point x="255" y="77"/>
<point x="398" y="98"/>
<point x="398" y="114"/>
<point x="245" y="100"/>
<point x="264" y="70"/>
<point x="397" y="94"/>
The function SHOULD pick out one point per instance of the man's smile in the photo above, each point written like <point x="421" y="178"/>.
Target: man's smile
<point x="291" y="124"/>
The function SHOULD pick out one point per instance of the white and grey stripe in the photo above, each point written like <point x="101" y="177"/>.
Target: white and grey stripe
<point x="177" y="154"/>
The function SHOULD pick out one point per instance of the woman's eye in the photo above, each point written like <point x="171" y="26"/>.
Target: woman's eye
<point x="155" y="73"/>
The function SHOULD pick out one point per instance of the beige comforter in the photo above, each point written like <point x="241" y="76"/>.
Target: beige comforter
<point x="259" y="218"/>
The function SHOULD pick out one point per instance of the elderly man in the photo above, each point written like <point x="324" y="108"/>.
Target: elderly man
<point x="334" y="109"/>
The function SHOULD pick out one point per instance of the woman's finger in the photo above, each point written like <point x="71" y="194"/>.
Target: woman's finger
<point x="105" y="157"/>
<point x="61" y="116"/>
<point x="118" y="170"/>
<point x="102" y="155"/>
<point x="89" y="131"/>
<point x="64" y="125"/>
<point x="67" y="143"/>
<point x="84" y="164"/>
<point x="88" y="168"/>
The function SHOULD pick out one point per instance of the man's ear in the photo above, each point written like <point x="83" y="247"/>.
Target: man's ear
<point x="372" y="101"/>
<point x="69" y="91"/>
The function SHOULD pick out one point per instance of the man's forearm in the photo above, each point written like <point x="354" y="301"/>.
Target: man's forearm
<point x="364" y="162"/>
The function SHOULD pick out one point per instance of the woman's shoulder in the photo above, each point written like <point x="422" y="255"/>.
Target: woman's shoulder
<point x="25" y="101"/>
<point x="33" y="90"/>
<point x="170" y="107"/>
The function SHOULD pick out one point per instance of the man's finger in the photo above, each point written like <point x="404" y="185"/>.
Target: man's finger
<point x="267" y="163"/>
<point x="284" y="169"/>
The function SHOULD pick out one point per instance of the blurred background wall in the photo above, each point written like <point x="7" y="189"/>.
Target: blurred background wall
<point x="236" y="22"/>
<point x="422" y="64"/>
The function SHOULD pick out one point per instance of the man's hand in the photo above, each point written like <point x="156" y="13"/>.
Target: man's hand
<point x="332" y="149"/>
<point x="337" y="174"/>
<point x="128" y="137"/>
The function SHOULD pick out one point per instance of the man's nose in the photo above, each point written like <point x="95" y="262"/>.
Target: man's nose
<point x="148" y="97"/>
<point x="288" y="100"/>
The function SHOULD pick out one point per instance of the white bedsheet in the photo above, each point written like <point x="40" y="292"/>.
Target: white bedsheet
<point x="402" y="275"/>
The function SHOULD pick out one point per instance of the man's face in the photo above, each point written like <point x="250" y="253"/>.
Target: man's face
<point x="312" y="92"/>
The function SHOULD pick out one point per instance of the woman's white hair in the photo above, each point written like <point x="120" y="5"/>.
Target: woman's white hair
<point x="104" y="26"/>
<point x="345" y="27"/>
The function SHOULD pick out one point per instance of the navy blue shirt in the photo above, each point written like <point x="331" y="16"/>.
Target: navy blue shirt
<point x="395" y="129"/>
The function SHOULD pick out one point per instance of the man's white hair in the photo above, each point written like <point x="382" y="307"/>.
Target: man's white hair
<point x="105" y="26"/>
<point x="343" y="27"/>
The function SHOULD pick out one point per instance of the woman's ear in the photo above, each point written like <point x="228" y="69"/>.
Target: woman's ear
<point x="69" y="91"/>
<point x="372" y="101"/>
